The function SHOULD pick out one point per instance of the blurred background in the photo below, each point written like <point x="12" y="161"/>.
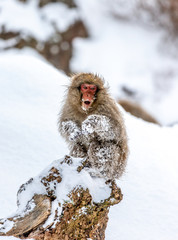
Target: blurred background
<point x="132" y="43"/>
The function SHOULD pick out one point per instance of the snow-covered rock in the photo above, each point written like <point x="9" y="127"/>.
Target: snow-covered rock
<point x="64" y="200"/>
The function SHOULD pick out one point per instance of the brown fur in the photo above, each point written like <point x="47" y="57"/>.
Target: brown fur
<point x="88" y="145"/>
<point x="137" y="111"/>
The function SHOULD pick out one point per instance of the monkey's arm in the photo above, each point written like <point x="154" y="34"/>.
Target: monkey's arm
<point x="101" y="127"/>
<point x="73" y="135"/>
<point x="70" y="131"/>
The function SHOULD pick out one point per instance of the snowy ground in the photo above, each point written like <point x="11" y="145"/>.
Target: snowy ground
<point x="30" y="99"/>
<point x="31" y="93"/>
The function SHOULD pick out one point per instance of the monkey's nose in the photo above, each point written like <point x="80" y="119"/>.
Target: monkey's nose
<point x="88" y="97"/>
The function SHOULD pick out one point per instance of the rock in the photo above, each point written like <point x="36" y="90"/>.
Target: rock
<point x="136" y="110"/>
<point x="48" y="217"/>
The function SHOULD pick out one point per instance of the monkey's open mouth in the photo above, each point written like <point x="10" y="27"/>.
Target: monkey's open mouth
<point x="87" y="102"/>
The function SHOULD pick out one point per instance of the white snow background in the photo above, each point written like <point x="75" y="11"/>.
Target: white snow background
<point x="31" y="92"/>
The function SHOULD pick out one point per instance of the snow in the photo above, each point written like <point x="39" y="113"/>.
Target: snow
<point x="96" y="186"/>
<point x="60" y="15"/>
<point x="10" y="238"/>
<point x="29" y="142"/>
<point x="149" y="208"/>
<point x="7" y="224"/>
<point x="37" y="22"/>
<point x="31" y="93"/>
<point x="30" y="15"/>
<point x="30" y="102"/>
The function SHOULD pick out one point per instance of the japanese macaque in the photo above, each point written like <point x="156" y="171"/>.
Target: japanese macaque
<point x="93" y="126"/>
<point x="136" y="110"/>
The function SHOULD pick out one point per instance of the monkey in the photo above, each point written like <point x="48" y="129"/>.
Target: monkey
<point x="93" y="126"/>
<point x="137" y="111"/>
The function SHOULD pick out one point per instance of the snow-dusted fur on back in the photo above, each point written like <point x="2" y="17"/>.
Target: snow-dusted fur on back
<point x="99" y="133"/>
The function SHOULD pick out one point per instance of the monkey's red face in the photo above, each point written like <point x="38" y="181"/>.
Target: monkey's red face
<point x="88" y="95"/>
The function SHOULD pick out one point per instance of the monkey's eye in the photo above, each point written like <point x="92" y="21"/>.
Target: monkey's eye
<point x="93" y="88"/>
<point x="84" y="87"/>
<point x="88" y="88"/>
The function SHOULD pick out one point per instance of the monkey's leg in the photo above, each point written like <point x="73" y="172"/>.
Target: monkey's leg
<point x="104" y="158"/>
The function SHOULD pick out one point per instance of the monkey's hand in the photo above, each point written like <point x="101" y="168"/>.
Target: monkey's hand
<point x="70" y="130"/>
<point x="98" y="126"/>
